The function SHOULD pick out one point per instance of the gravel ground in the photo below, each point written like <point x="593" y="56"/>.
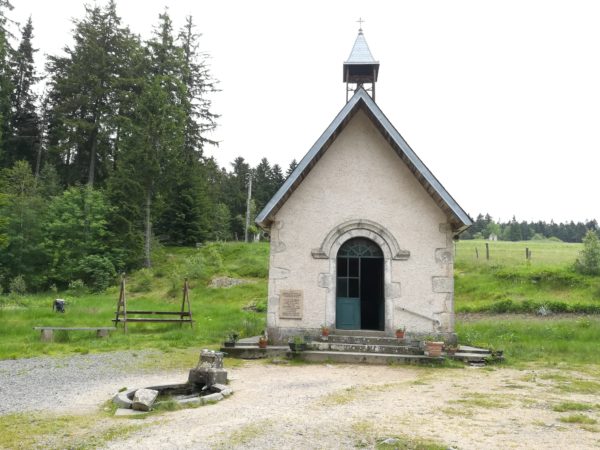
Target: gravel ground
<point x="318" y="405"/>
<point x="74" y="383"/>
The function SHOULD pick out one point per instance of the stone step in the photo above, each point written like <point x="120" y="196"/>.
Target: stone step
<point x="469" y="349"/>
<point x="365" y="348"/>
<point x="364" y="358"/>
<point x="254" y="352"/>
<point x="368" y="340"/>
<point x="360" y="333"/>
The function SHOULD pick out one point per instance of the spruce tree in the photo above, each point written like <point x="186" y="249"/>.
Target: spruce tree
<point x="6" y="86"/>
<point x="88" y="96"/>
<point x="24" y="138"/>
<point x="291" y="168"/>
<point x="152" y="151"/>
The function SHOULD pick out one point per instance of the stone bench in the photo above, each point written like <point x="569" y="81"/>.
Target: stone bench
<point x="47" y="334"/>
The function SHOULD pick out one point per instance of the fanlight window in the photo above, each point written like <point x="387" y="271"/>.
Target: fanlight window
<point x="360" y="248"/>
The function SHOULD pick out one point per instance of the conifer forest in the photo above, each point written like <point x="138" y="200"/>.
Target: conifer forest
<point x="102" y="153"/>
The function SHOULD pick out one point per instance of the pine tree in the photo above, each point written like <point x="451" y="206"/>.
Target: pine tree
<point x="199" y="84"/>
<point x="262" y="183"/>
<point x="24" y="138"/>
<point x="88" y="98"/>
<point x="6" y="86"/>
<point x="152" y="152"/>
<point x="291" y="168"/>
<point x="186" y="218"/>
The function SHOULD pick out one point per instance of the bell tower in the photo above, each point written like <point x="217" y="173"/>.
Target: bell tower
<point x="361" y="68"/>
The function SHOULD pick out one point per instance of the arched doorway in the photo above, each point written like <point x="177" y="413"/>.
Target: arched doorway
<point x="359" y="286"/>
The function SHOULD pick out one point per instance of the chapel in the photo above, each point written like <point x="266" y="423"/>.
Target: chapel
<point x="362" y="233"/>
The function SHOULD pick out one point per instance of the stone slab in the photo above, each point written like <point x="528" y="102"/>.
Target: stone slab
<point x="129" y="412"/>
<point x="144" y="399"/>
<point x="217" y="396"/>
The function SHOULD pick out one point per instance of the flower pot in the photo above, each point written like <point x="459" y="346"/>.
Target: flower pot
<point x="297" y="347"/>
<point x="433" y="349"/>
<point x="262" y="343"/>
<point x="400" y="334"/>
<point x="325" y="332"/>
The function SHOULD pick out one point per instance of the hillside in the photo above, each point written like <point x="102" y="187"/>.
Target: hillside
<point x="506" y="283"/>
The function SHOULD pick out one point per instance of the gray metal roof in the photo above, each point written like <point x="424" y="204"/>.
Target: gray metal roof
<point x="360" y="53"/>
<point x="361" y="100"/>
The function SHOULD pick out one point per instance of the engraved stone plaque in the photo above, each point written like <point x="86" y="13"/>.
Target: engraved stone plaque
<point x="290" y="304"/>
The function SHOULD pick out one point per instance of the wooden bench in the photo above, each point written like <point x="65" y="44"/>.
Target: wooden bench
<point x="48" y="332"/>
<point x="123" y="314"/>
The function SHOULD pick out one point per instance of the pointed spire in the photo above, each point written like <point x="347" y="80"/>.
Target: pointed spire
<point x="360" y="67"/>
<point x="360" y="53"/>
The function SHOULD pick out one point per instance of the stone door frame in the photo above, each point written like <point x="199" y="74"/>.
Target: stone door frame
<point x="391" y="251"/>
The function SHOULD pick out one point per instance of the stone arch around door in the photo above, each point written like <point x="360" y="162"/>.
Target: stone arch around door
<point x="391" y="251"/>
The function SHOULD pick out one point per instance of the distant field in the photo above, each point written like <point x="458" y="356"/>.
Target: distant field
<point x="508" y="283"/>
<point x="542" y="252"/>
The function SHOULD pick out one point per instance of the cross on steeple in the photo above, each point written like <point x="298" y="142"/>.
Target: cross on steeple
<point x="360" y="21"/>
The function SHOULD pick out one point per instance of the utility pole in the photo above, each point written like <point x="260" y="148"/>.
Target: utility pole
<point x="249" y="178"/>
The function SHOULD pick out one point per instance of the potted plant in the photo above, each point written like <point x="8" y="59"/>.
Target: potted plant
<point x="433" y="348"/>
<point x="400" y="332"/>
<point x="263" y="340"/>
<point x="297" y="344"/>
<point x="451" y="349"/>
<point x="232" y="338"/>
<point x="324" y="330"/>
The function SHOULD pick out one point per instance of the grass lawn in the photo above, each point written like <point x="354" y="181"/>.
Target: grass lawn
<point x="216" y="311"/>
<point x="508" y="283"/>
<point x="500" y="286"/>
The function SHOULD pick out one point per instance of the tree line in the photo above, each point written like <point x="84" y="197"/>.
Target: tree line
<point x="485" y="226"/>
<point x="109" y="159"/>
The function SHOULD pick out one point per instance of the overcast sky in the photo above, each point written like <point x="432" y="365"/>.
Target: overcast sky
<point x="500" y="99"/>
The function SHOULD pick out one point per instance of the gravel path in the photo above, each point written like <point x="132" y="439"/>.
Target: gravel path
<point x="319" y="406"/>
<point x="74" y="383"/>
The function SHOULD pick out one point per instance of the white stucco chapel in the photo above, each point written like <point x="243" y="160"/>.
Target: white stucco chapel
<point x="362" y="233"/>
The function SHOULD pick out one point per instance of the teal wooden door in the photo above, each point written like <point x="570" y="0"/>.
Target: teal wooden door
<point x="350" y="303"/>
<point x="347" y="313"/>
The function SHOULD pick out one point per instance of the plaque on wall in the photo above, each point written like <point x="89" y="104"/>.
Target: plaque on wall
<point x="290" y="304"/>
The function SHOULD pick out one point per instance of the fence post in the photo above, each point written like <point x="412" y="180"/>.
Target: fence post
<point x="487" y="251"/>
<point x="476" y="253"/>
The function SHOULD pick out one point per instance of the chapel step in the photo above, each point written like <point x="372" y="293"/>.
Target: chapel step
<point x="368" y="340"/>
<point x="365" y="348"/>
<point x="363" y="358"/>
<point x="254" y="352"/>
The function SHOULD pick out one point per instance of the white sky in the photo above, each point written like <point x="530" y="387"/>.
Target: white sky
<point x="501" y="99"/>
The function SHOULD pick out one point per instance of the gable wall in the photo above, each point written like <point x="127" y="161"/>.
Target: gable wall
<point x="361" y="177"/>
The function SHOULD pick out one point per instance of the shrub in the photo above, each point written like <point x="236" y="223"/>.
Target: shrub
<point x="143" y="281"/>
<point x="194" y="267"/>
<point x="97" y="272"/>
<point x="17" y="285"/>
<point x="588" y="262"/>
<point x="77" y="287"/>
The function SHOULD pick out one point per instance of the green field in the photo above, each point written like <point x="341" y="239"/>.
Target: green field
<point x="506" y="284"/>
<point x="543" y="253"/>
<point x="216" y="311"/>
